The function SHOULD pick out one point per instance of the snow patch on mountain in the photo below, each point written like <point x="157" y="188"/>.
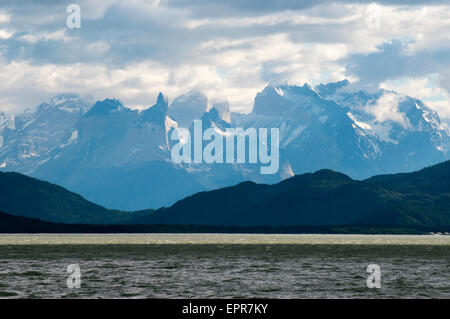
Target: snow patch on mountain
<point x="73" y="137"/>
<point x="362" y="125"/>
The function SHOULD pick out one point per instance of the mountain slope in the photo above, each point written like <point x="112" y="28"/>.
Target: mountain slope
<point x="26" y="142"/>
<point x="321" y="198"/>
<point x="121" y="158"/>
<point x="25" y="196"/>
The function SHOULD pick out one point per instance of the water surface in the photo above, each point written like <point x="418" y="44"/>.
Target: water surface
<point x="224" y="266"/>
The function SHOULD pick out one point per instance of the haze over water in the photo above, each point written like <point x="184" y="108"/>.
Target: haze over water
<point x="224" y="266"/>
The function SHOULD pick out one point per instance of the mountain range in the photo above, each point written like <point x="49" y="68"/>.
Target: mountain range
<point x="120" y="158"/>
<point x="323" y="198"/>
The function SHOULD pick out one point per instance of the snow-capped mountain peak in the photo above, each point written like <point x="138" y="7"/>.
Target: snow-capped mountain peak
<point x="188" y="107"/>
<point x="71" y="100"/>
<point x="271" y="102"/>
<point x="106" y="107"/>
<point x="34" y="133"/>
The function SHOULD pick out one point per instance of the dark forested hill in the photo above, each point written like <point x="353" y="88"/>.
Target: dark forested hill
<point x="419" y="199"/>
<point x="25" y="196"/>
<point x="323" y="198"/>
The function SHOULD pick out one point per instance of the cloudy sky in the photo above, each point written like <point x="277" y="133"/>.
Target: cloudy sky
<point x="132" y="49"/>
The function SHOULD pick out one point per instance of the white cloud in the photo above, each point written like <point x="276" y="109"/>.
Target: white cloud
<point x="4" y="17"/>
<point x="58" y="35"/>
<point x="136" y="85"/>
<point x="426" y="90"/>
<point x="133" y="49"/>
<point x="5" y="34"/>
<point x="386" y="108"/>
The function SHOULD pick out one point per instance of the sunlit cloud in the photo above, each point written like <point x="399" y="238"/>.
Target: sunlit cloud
<point x="131" y="50"/>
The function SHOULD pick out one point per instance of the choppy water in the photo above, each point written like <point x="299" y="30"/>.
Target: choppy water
<point x="224" y="266"/>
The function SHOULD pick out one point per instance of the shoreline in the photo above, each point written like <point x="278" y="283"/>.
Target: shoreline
<point x="221" y="239"/>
